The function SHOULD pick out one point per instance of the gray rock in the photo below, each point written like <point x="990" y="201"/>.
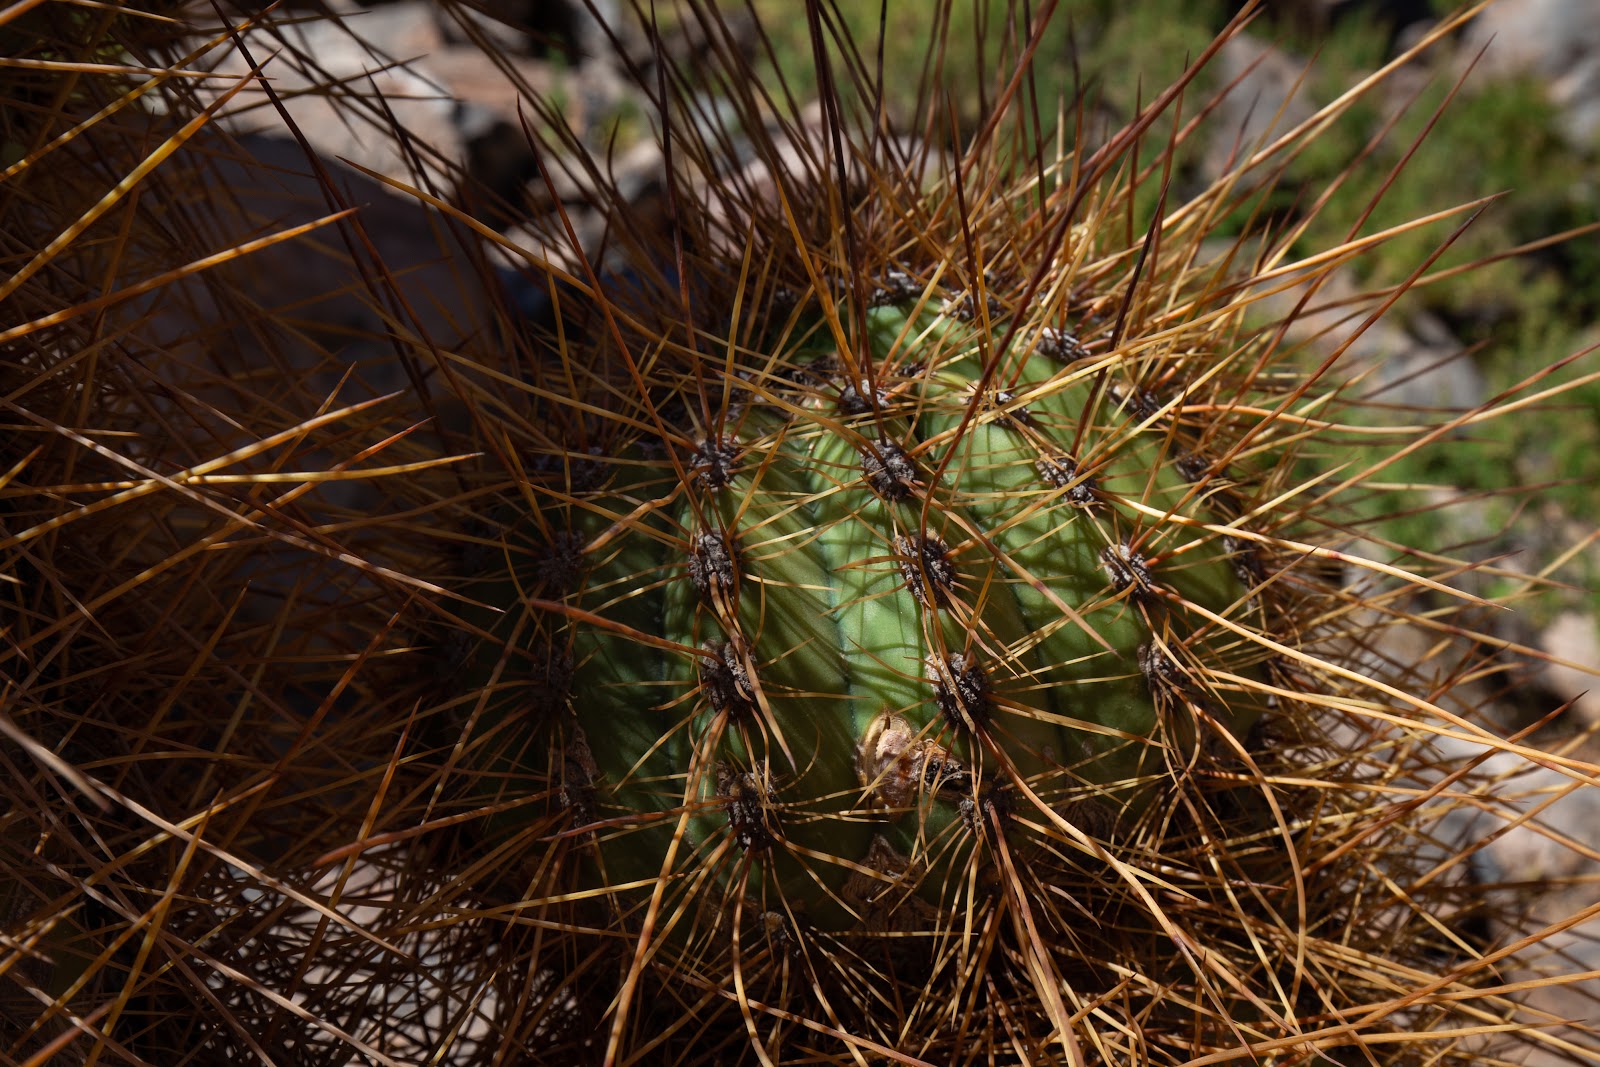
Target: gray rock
<point x="268" y="340"/>
<point x="1414" y="363"/>
<point x="1532" y="837"/>
<point x="1543" y="38"/>
<point x="1520" y="826"/>
<point x="1577" y="93"/>
<point x="311" y="302"/>
<point x="1266" y="100"/>
<point x="1556" y="42"/>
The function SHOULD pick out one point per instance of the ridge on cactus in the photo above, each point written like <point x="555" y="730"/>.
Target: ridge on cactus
<point x="885" y="592"/>
<point x="912" y="606"/>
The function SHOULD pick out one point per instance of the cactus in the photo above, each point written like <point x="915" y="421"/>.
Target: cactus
<point x="884" y="598"/>
<point x="821" y="605"/>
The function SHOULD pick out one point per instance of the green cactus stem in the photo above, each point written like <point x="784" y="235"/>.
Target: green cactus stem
<point x="870" y="600"/>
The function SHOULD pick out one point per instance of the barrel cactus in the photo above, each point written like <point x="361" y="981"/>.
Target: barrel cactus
<point x="902" y="579"/>
<point x="881" y="589"/>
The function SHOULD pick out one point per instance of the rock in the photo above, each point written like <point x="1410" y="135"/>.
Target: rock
<point x="397" y="997"/>
<point x="1577" y="93"/>
<point x="573" y="30"/>
<point x="1556" y="42"/>
<point x="1526" y="836"/>
<point x="1522" y="828"/>
<point x="1267" y="99"/>
<point x="285" y="330"/>
<point x="1416" y="364"/>
<point x="311" y="300"/>
<point x="347" y="84"/>
<point x="503" y="23"/>
<point x="1573" y="642"/>
<point x="1543" y="38"/>
<point x="267" y="340"/>
<point x="350" y="85"/>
